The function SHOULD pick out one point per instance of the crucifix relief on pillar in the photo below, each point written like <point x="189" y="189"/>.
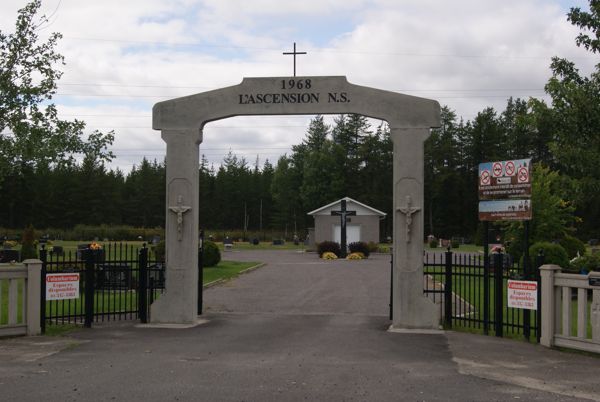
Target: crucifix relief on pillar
<point x="343" y="214"/>
<point x="408" y="211"/>
<point x="180" y="209"/>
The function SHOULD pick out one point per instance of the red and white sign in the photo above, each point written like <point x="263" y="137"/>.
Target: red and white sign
<point x="523" y="175"/>
<point x="485" y="179"/>
<point x="522" y="294"/>
<point x="509" y="168"/>
<point x="497" y="169"/>
<point x="62" y="286"/>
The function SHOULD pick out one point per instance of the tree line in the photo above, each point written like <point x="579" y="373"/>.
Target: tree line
<point x="44" y="186"/>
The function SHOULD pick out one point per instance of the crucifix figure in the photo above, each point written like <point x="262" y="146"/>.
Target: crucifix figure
<point x="408" y="210"/>
<point x="294" y="53"/>
<point x="343" y="214"/>
<point x="180" y="210"/>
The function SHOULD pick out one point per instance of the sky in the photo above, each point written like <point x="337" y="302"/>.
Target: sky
<point x="124" y="56"/>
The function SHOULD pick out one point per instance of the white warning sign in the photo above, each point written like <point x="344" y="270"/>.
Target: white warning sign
<point x="62" y="286"/>
<point x="522" y="294"/>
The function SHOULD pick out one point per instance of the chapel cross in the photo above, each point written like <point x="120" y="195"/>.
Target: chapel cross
<point x="294" y="53"/>
<point x="343" y="214"/>
<point x="408" y="210"/>
<point x="180" y="210"/>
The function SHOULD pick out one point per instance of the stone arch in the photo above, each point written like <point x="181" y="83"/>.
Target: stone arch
<point x="181" y="122"/>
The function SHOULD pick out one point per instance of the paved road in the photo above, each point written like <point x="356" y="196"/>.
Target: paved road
<point x="297" y="329"/>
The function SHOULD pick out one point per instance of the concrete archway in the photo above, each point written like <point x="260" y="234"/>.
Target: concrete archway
<point x="181" y="122"/>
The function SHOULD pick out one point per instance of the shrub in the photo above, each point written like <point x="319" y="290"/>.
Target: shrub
<point x="28" y="246"/>
<point x="373" y="247"/>
<point x="383" y="249"/>
<point x="329" y="246"/>
<point x="212" y="255"/>
<point x="553" y="254"/>
<point x="455" y="244"/>
<point x="572" y="246"/>
<point x="433" y="243"/>
<point x="328" y="255"/>
<point x="360" y="247"/>
<point x="159" y="251"/>
<point x="586" y="263"/>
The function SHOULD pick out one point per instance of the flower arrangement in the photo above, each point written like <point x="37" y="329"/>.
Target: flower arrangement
<point x="328" y="255"/>
<point x="355" y="256"/>
<point x="95" y="246"/>
<point x="497" y="250"/>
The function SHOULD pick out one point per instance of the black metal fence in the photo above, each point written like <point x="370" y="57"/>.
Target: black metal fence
<point x="472" y="292"/>
<point x="116" y="282"/>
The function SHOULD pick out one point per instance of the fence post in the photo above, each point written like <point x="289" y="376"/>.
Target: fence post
<point x="34" y="270"/>
<point x="201" y="273"/>
<point x="89" y="287"/>
<point x="44" y="259"/>
<point x="548" y="303"/>
<point x="486" y="279"/>
<point x="448" y="290"/>
<point x="539" y="261"/>
<point x="391" y="285"/>
<point x="498" y="293"/>
<point x="143" y="285"/>
<point x="526" y="276"/>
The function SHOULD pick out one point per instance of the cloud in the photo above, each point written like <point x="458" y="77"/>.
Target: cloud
<point x="123" y="56"/>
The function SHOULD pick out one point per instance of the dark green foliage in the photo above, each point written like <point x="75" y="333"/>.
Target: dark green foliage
<point x="159" y="251"/>
<point x="553" y="254"/>
<point x="433" y="243"/>
<point x="373" y="247"/>
<point x="212" y="254"/>
<point x="330" y="246"/>
<point x="28" y="244"/>
<point x="360" y="247"/>
<point x="455" y="244"/>
<point x="586" y="263"/>
<point x="572" y="246"/>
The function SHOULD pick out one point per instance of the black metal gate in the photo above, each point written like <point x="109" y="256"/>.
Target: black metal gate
<point x="471" y="293"/>
<point x="116" y="282"/>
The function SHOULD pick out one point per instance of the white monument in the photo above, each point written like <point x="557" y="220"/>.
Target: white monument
<point x="181" y="122"/>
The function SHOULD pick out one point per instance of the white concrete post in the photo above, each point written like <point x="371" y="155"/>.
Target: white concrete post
<point x="412" y="309"/>
<point x="179" y="303"/>
<point x="548" y="304"/>
<point x="34" y="277"/>
<point x="595" y="310"/>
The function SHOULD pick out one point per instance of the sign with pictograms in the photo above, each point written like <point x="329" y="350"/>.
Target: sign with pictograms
<point x="484" y="178"/>
<point x="505" y="180"/>
<point x="522" y="294"/>
<point x="62" y="286"/>
<point x="497" y="169"/>
<point x="523" y="175"/>
<point x="509" y="168"/>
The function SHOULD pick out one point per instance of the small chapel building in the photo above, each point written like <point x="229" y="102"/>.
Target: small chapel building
<point x="364" y="226"/>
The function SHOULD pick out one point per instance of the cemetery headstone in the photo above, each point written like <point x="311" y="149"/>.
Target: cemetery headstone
<point x="9" y="255"/>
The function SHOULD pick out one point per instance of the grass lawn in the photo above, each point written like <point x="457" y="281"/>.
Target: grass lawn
<point x="471" y="248"/>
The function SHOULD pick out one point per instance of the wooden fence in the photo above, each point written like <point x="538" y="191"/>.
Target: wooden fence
<point x="20" y="285"/>
<point x="570" y="309"/>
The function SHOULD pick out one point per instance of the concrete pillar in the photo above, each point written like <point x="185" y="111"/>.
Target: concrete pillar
<point x="548" y="304"/>
<point x="412" y="310"/>
<point x="34" y="277"/>
<point x="179" y="302"/>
